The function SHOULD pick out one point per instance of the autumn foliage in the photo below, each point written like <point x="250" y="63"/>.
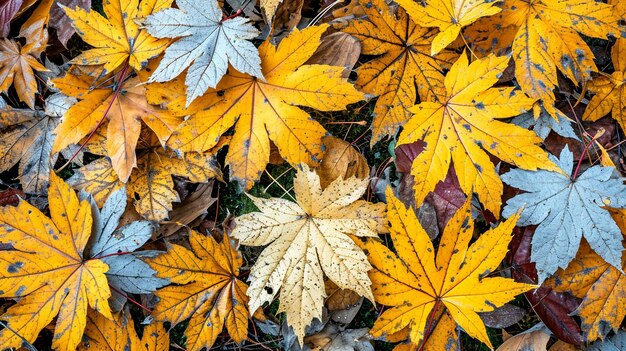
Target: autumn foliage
<point x="312" y="175"/>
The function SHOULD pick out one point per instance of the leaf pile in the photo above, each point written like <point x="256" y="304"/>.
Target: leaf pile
<point x="312" y="175"/>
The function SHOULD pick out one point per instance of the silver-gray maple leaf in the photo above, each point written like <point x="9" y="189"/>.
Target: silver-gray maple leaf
<point x="116" y="246"/>
<point x="565" y="210"/>
<point x="615" y="343"/>
<point x="207" y="40"/>
<point x="546" y="123"/>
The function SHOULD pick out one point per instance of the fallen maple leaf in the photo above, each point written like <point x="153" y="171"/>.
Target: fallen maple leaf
<point x="125" y="113"/>
<point x="566" y="209"/>
<point x="463" y="126"/>
<point x="151" y="184"/>
<point x="127" y="273"/>
<point x="601" y="286"/>
<point x="543" y="35"/>
<point x="306" y="240"/>
<point x="209" y="40"/>
<point x="207" y="290"/>
<point x="16" y="67"/>
<point x="119" y="334"/>
<point x="402" y="69"/>
<point x="47" y="269"/>
<point x="26" y="136"/>
<point x="450" y="16"/>
<point x="117" y="38"/>
<point x="267" y="110"/>
<point x="610" y="90"/>
<point x="414" y="283"/>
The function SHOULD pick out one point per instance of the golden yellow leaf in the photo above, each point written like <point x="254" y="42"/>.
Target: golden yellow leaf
<point x="118" y="37"/>
<point x="124" y="117"/>
<point x="150" y="184"/>
<point x="16" y="67"/>
<point x="463" y="127"/>
<point x="267" y="110"/>
<point x="544" y="37"/>
<point x="415" y="282"/>
<point x="450" y="16"/>
<point x="307" y="240"/>
<point x="610" y="90"/>
<point x="35" y="29"/>
<point x="601" y="286"/>
<point x="207" y="290"/>
<point x="47" y="271"/>
<point x="403" y="63"/>
<point x="118" y="334"/>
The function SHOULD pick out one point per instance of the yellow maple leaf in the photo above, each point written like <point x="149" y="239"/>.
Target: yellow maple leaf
<point x="610" y="90"/>
<point x="264" y="110"/>
<point x="415" y="282"/>
<point x="601" y="286"/>
<point x="16" y="67"/>
<point x="118" y="37"/>
<point x="306" y="240"/>
<point x="150" y="184"/>
<point x="404" y="62"/>
<point x="544" y="37"/>
<point x="119" y="334"/>
<point x="463" y="127"/>
<point x="46" y="269"/>
<point x="124" y="115"/>
<point x="450" y="16"/>
<point x="207" y="290"/>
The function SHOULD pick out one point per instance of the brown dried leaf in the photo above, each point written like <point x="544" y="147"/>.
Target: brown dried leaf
<point x="341" y="160"/>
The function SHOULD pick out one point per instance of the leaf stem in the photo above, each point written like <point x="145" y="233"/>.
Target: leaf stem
<point x="131" y="300"/>
<point x="429" y="326"/>
<point x="580" y="160"/>
<point x="118" y="88"/>
<point x="236" y="14"/>
<point x="111" y="255"/>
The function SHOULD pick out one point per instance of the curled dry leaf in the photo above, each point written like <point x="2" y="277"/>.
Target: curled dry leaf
<point x="534" y="339"/>
<point x="337" y="49"/>
<point x="341" y="160"/>
<point x="307" y="240"/>
<point x="207" y="290"/>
